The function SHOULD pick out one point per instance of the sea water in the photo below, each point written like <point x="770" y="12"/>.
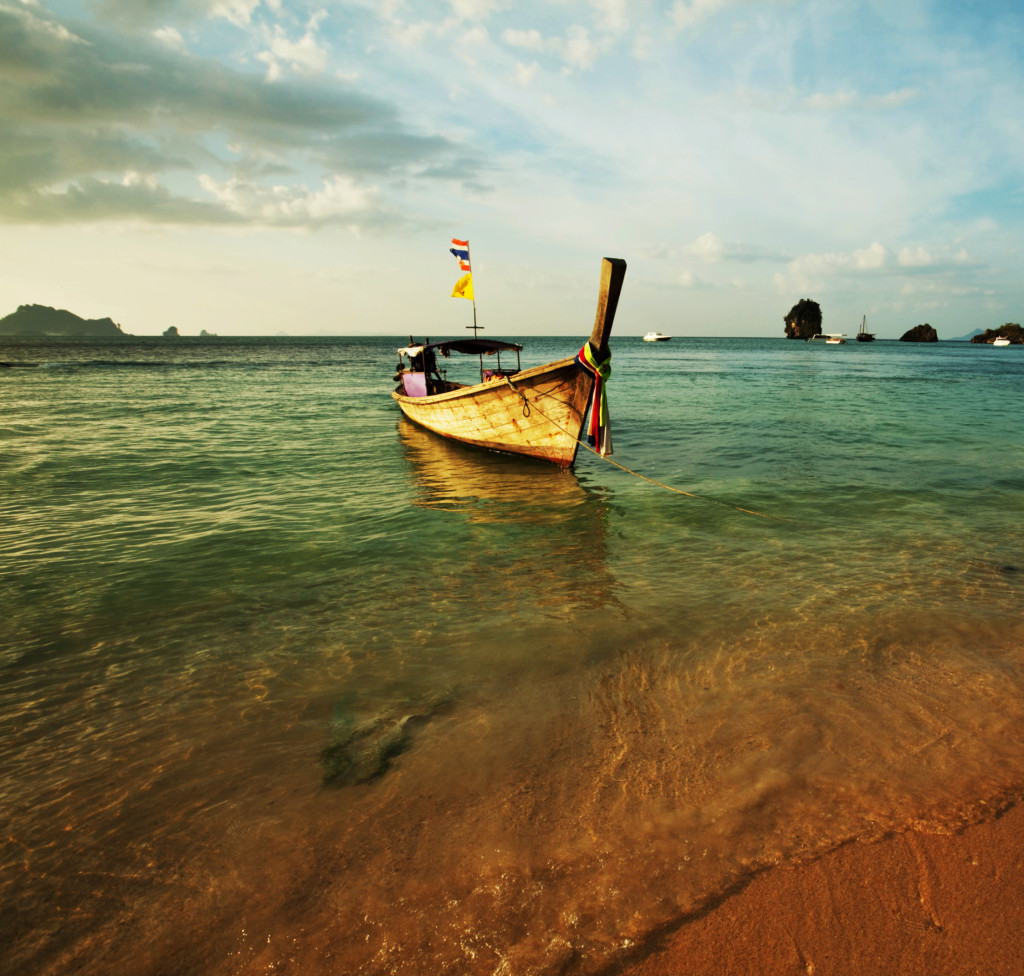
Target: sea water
<point x="288" y="684"/>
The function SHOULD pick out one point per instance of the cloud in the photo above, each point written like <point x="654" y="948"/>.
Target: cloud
<point x="878" y="261"/>
<point x="612" y="16"/>
<point x="708" y="247"/>
<point x="711" y="249"/>
<point x="142" y="13"/>
<point x="340" y="200"/>
<point x="305" y="56"/>
<point x="820" y="101"/>
<point x="916" y="257"/>
<point x="475" y="9"/>
<point x="91" y="199"/>
<point x="84" y="106"/>
<point x="894" y="99"/>
<point x="171" y="37"/>
<point x="825" y="102"/>
<point x="525" y="73"/>
<point x="470" y="43"/>
<point x="532" y="40"/>
<point x="239" y="12"/>
<point x="578" y="50"/>
<point x="872" y="258"/>
<point x="684" y="14"/>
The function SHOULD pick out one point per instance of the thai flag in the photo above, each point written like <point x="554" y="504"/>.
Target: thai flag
<point x="461" y="251"/>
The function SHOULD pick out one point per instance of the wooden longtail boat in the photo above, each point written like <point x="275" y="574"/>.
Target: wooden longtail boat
<point x="537" y="412"/>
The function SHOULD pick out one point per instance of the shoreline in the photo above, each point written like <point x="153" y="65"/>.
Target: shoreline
<point x="913" y="904"/>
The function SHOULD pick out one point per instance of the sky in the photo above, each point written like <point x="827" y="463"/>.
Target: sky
<point x="255" y="167"/>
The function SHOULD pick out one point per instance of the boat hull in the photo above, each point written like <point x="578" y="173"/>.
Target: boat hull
<point x="538" y="413"/>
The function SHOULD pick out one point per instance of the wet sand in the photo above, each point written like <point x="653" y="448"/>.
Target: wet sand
<point x="913" y="904"/>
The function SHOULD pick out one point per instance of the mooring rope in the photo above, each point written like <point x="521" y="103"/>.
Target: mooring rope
<point x="636" y="474"/>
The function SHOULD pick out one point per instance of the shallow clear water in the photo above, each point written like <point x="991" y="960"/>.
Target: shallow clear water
<point x="565" y="708"/>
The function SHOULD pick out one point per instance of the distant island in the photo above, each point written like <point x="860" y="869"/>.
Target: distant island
<point x="1011" y="331"/>
<point x="920" y="333"/>
<point x="41" y="320"/>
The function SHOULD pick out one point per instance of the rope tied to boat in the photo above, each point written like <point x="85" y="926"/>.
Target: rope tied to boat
<point x="636" y="474"/>
<point x="522" y="396"/>
<point x="599" y="434"/>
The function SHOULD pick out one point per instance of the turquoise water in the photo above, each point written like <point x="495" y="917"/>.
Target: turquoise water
<point x="560" y="710"/>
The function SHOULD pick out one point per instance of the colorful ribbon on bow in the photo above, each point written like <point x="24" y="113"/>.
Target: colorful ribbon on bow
<point x="599" y="433"/>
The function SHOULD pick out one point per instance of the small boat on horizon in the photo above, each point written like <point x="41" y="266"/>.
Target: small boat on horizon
<point x="831" y="338"/>
<point x="536" y="412"/>
<point x="656" y="337"/>
<point x="864" y="335"/>
<point x="1000" y="341"/>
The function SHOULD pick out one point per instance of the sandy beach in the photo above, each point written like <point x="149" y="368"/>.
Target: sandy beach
<point x="914" y="904"/>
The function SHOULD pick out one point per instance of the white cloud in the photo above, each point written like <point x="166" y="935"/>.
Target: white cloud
<point x="871" y="258"/>
<point x="643" y="44"/>
<point x="578" y="50"/>
<point x="916" y="257"/>
<point x="532" y="40"/>
<point x="823" y="102"/>
<point x="305" y="56"/>
<point x="894" y="99"/>
<point x="708" y="247"/>
<point x="820" y="101"/>
<point x="688" y="13"/>
<point x="239" y="12"/>
<point x="805" y="272"/>
<point x="171" y="37"/>
<point x="711" y="249"/>
<point x="525" y="73"/>
<point x="470" y="43"/>
<point x="612" y="15"/>
<point x="340" y="198"/>
<point x="412" y="35"/>
<point x="132" y="178"/>
<point x="474" y="9"/>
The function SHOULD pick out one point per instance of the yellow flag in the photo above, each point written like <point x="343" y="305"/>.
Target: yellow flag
<point x="464" y="287"/>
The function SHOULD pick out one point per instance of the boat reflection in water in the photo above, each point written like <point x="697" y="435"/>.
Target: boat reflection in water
<point x="552" y="529"/>
<point x="487" y="486"/>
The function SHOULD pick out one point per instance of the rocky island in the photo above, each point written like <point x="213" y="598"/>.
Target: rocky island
<point x="804" y="320"/>
<point x="41" y="320"/>
<point x="1011" y="331"/>
<point x="920" y="333"/>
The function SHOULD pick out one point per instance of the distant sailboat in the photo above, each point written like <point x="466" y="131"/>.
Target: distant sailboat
<point x="864" y="335"/>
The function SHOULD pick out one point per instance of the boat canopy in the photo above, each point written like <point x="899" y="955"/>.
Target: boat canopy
<point x="474" y="347"/>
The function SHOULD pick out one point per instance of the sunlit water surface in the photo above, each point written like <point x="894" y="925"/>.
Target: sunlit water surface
<point x="289" y="685"/>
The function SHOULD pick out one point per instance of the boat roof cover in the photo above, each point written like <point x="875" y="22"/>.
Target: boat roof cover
<point x="475" y="347"/>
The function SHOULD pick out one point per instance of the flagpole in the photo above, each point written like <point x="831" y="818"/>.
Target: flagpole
<point x="469" y="261"/>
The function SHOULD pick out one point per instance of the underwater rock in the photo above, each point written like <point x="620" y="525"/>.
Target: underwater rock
<point x="361" y="753"/>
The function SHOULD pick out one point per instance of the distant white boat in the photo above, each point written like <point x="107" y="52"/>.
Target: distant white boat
<point x="832" y="338"/>
<point x="656" y="337"/>
<point x="1000" y="341"/>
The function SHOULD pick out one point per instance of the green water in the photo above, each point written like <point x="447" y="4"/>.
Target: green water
<point x="220" y="557"/>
